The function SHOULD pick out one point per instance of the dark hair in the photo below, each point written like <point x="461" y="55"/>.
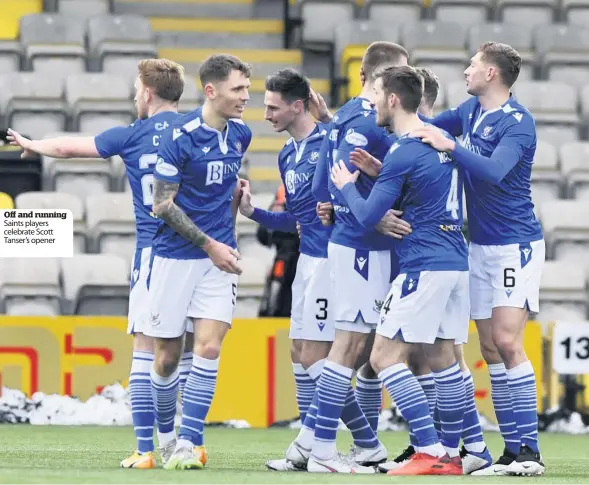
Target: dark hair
<point x="431" y="85"/>
<point x="405" y="82"/>
<point x="218" y="68"/>
<point x="291" y="85"/>
<point x="380" y="54"/>
<point x="505" y="58"/>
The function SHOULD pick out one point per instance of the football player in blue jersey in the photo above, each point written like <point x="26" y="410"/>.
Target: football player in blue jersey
<point x="195" y="262"/>
<point x="361" y="263"/>
<point x="159" y="86"/>
<point x="428" y="303"/>
<point x="507" y="249"/>
<point x="475" y="454"/>
<point x="289" y="103"/>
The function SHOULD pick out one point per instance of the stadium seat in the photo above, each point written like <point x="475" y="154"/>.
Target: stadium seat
<point x="10" y="55"/>
<point x="96" y="284"/>
<point x="116" y="41"/>
<point x="566" y="230"/>
<point x="191" y="96"/>
<point x="83" y="10"/>
<point x="526" y="12"/>
<point x="6" y="201"/>
<point x="447" y="73"/>
<point x="78" y="176"/>
<point x="466" y="12"/>
<point x="584" y="101"/>
<point x="99" y="101"/>
<point x="563" y="291"/>
<point x="33" y="103"/>
<point x="546" y="177"/>
<point x="351" y="40"/>
<point x="576" y="12"/>
<point x="393" y="11"/>
<point x="30" y="286"/>
<point x="574" y="160"/>
<point x="111" y="224"/>
<point x="53" y="44"/>
<point x="435" y="42"/>
<point x="557" y="135"/>
<point x="321" y="17"/>
<point x="561" y="45"/>
<point x="57" y="200"/>
<point x="516" y="35"/>
<point x="550" y="102"/>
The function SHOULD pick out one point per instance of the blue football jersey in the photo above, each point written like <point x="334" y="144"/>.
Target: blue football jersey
<point x="137" y="144"/>
<point x="427" y="186"/>
<point x="297" y="162"/>
<point x="354" y="125"/>
<point x="504" y="213"/>
<point x="205" y="163"/>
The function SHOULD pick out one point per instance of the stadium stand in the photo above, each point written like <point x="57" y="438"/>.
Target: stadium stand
<point x="69" y="65"/>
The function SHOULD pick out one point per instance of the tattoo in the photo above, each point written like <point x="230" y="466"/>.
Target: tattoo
<point x="173" y="216"/>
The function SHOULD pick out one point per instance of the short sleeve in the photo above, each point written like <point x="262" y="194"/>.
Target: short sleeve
<point x="170" y="162"/>
<point x="112" y="141"/>
<point x="519" y="133"/>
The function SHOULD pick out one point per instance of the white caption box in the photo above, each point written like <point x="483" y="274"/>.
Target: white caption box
<point x="36" y="233"/>
<point x="570" y="348"/>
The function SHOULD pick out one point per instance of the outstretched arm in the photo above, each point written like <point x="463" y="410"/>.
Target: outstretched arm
<point x="59" y="147"/>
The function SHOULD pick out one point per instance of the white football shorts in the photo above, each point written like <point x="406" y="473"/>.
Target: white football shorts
<point x="311" y="312"/>
<point x="194" y="288"/>
<point x="421" y="307"/>
<point x="505" y="276"/>
<point x="361" y="280"/>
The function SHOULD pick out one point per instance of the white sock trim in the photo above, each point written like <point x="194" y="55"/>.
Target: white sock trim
<point x="198" y="361"/>
<point x="161" y="380"/>
<point x="340" y="369"/>
<point x="496" y="369"/>
<point x="520" y="370"/>
<point x="315" y="370"/>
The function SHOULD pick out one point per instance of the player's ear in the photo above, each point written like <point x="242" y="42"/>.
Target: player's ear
<point x="362" y="77"/>
<point x="210" y="90"/>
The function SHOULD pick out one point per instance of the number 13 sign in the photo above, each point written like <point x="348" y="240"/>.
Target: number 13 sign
<point x="570" y="348"/>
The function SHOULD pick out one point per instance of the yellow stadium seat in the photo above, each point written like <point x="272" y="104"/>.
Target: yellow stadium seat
<point x="350" y="65"/>
<point x="12" y="11"/>
<point x="6" y="201"/>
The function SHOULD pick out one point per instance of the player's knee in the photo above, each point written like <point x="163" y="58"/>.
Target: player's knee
<point x="295" y="351"/>
<point x="208" y="350"/>
<point x="312" y="352"/>
<point x="165" y="363"/>
<point x="508" y="346"/>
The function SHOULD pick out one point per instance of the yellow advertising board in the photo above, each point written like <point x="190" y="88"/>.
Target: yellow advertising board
<point x="78" y="356"/>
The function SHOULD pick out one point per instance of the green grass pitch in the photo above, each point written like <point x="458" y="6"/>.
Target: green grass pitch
<point x="56" y="454"/>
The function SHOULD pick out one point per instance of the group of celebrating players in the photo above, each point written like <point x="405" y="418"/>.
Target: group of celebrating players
<point x="385" y="284"/>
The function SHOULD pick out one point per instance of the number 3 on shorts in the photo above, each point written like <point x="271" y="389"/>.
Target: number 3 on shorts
<point x="322" y="314"/>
